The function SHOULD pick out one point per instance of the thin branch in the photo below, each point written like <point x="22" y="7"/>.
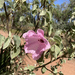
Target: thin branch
<point x="50" y="61"/>
<point x="7" y="16"/>
<point x="38" y="19"/>
<point x="44" y="4"/>
<point x="50" y="70"/>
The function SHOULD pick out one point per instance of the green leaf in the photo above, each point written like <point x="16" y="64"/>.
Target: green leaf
<point x="50" y="29"/>
<point x="2" y="39"/>
<point x="52" y="68"/>
<point x="9" y="33"/>
<point x="73" y="44"/>
<point x="17" y="40"/>
<point x="62" y="61"/>
<point x="57" y="51"/>
<point x="50" y="74"/>
<point x="23" y="0"/>
<point x="43" y="70"/>
<point x="42" y="13"/>
<point x="15" y="54"/>
<point x="12" y="61"/>
<point x="58" y="32"/>
<point x="47" y="54"/>
<point x="31" y="74"/>
<point x="31" y="67"/>
<point x="21" y="69"/>
<point x="49" y="15"/>
<point x="72" y="55"/>
<point x="34" y="7"/>
<point x="60" y="73"/>
<point x="7" y="42"/>
<point x="69" y="58"/>
<point x="34" y="13"/>
<point x="1" y="3"/>
<point x="26" y="68"/>
<point x="61" y="53"/>
<point x="61" y="46"/>
<point x="57" y="39"/>
<point x="21" y="18"/>
<point x="53" y="48"/>
<point x="55" y="70"/>
<point x="45" y="23"/>
<point x="40" y="59"/>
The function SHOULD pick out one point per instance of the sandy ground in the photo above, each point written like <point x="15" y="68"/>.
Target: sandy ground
<point x="68" y="68"/>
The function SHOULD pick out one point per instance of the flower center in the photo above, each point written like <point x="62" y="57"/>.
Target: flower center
<point x="42" y="41"/>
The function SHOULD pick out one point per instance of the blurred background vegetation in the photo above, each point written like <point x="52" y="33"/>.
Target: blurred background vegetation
<point x="23" y="15"/>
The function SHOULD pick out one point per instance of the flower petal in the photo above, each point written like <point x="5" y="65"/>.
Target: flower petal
<point x="47" y="44"/>
<point x="28" y="51"/>
<point x="36" y="44"/>
<point x="41" y="48"/>
<point x="28" y="34"/>
<point x="32" y="45"/>
<point x="40" y="32"/>
<point x="36" y="56"/>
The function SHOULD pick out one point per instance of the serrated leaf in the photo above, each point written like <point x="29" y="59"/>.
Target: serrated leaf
<point x="43" y="70"/>
<point x="1" y="3"/>
<point x="7" y="42"/>
<point x="15" y="54"/>
<point x="42" y="13"/>
<point x="2" y="39"/>
<point x="17" y="40"/>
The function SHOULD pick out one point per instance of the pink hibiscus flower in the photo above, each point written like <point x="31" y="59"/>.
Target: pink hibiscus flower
<point x="36" y="44"/>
